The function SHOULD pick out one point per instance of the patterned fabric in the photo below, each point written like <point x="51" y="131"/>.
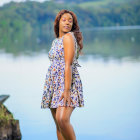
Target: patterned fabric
<point x="54" y="81"/>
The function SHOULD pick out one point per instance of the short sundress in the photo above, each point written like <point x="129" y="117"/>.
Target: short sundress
<point x="55" y="82"/>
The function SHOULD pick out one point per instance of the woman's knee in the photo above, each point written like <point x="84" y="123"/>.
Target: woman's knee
<point x="62" y="121"/>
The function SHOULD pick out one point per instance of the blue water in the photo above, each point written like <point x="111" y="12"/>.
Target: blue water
<point x="111" y="93"/>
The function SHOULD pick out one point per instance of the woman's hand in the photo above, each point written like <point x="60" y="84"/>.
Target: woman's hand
<point x="67" y="98"/>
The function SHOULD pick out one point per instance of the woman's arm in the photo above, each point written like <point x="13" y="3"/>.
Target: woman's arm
<point x="69" y="51"/>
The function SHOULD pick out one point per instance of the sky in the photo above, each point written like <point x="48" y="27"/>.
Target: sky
<point x="2" y="2"/>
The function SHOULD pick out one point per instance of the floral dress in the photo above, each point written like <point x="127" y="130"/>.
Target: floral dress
<point x="55" y="83"/>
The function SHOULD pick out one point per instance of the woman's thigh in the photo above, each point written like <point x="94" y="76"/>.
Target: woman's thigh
<point x="64" y="113"/>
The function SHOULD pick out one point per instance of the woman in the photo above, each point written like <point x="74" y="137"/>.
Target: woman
<point x="63" y="89"/>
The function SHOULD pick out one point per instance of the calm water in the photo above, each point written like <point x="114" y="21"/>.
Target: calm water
<point x="110" y="74"/>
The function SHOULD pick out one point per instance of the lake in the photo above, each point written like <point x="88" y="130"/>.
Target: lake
<point x="110" y="74"/>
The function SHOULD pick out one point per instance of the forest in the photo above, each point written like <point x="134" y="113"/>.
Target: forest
<point x="30" y="23"/>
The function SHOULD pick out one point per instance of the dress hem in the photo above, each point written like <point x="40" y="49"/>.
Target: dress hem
<point x="61" y="106"/>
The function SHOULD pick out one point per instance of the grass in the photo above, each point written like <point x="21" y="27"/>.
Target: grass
<point x="5" y="116"/>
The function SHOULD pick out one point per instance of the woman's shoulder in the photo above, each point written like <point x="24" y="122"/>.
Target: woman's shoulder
<point x="69" y="35"/>
<point x="62" y="38"/>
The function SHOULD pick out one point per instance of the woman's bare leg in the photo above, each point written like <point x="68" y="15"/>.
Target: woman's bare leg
<point x="63" y="120"/>
<point x="59" y="134"/>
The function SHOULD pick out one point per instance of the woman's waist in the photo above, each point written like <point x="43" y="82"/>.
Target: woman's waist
<point x="61" y="61"/>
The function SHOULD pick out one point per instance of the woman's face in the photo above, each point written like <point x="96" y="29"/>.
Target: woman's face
<point x="66" y="22"/>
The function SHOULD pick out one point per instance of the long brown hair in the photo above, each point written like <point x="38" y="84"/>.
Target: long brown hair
<point x="75" y="28"/>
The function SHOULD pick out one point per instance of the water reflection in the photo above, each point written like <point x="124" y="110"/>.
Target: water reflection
<point x="104" y="43"/>
<point x="116" y="44"/>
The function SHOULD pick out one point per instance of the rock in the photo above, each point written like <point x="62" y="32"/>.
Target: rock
<point x="9" y="127"/>
<point x="16" y="134"/>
